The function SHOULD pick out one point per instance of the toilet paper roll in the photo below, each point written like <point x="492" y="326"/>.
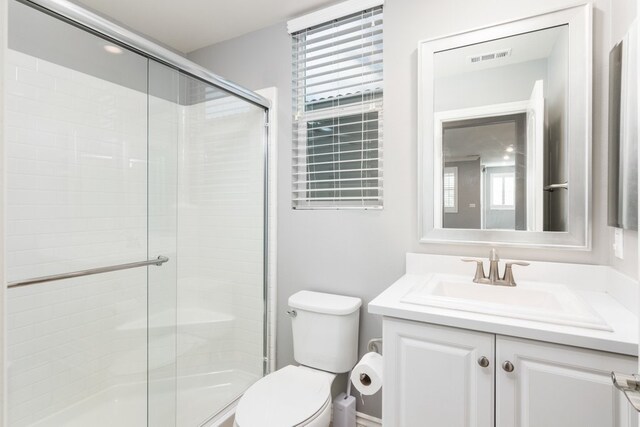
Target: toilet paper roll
<point x="367" y="374"/>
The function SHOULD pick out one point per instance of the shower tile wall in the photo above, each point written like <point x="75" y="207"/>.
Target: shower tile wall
<point x="76" y="150"/>
<point x="220" y="236"/>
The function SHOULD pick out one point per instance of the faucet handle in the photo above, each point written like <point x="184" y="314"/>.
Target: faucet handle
<point x="522" y="263"/>
<point x="479" y="268"/>
<point x="508" y="271"/>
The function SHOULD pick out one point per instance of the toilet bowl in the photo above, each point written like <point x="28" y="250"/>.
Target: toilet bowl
<point x="325" y="343"/>
<point x="291" y="396"/>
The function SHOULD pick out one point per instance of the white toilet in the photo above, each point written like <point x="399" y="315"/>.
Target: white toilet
<point x="325" y="343"/>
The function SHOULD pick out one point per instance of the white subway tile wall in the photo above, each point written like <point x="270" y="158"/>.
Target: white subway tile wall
<point x="220" y="240"/>
<point x="77" y="198"/>
<point x="76" y="157"/>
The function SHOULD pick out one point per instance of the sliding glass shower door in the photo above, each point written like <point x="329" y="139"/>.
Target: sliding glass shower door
<point x="76" y="146"/>
<point x="206" y="206"/>
<point x="113" y="159"/>
<point x="221" y="186"/>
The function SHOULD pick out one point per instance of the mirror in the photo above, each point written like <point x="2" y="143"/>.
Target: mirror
<point x="505" y="132"/>
<point x="493" y="102"/>
<point x="623" y="134"/>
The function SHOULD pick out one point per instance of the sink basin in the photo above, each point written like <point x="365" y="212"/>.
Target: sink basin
<point x="543" y="302"/>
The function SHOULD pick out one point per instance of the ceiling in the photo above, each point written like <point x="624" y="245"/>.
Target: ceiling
<point x="488" y="142"/>
<point x="187" y="25"/>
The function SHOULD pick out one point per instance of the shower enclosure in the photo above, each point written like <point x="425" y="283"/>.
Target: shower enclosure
<point x="136" y="228"/>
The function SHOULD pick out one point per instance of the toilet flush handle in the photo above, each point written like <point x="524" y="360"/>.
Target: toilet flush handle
<point x="292" y="313"/>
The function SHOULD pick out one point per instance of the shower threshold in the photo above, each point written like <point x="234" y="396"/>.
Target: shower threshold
<point x="200" y="397"/>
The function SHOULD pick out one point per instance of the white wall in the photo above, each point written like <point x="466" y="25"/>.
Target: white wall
<point x="509" y="83"/>
<point x="362" y="252"/>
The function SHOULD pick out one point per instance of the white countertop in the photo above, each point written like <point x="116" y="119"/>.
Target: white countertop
<point x="608" y="293"/>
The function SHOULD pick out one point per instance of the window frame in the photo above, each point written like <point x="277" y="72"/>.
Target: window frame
<point x="501" y="176"/>
<point x="365" y="102"/>
<point x="454" y="208"/>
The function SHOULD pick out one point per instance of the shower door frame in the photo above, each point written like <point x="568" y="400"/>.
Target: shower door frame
<point x="93" y="23"/>
<point x="96" y="24"/>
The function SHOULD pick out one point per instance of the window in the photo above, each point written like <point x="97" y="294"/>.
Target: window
<point x="503" y="190"/>
<point x="337" y="103"/>
<point x="450" y="189"/>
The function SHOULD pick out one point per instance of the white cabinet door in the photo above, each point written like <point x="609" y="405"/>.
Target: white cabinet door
<point x="432" y="377"/>
<point x="559" y="386"/>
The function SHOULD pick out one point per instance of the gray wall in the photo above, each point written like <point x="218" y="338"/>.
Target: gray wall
<point x="468" y="194"/>
<point x="362" y="252"/>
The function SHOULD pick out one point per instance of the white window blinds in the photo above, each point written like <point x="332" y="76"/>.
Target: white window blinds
<point x="337" y="103"/>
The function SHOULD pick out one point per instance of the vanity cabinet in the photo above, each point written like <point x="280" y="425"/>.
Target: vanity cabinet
<point x="554" y="385"/>
<point x="437" y="376"/>
<point x="432" y="376"/>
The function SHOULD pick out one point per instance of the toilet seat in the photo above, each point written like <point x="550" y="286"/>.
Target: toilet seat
<point x="291" y="396"/>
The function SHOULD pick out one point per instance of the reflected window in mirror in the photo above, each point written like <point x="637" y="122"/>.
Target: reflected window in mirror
<point x="450" y="190"/>
<point x="503" y="191"/>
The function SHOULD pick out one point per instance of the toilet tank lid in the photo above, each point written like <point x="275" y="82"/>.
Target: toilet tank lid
<point x="320" y="302"/>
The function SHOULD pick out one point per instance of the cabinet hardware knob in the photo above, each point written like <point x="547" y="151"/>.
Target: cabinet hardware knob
<point x="483" y="361"/>
<point x="507" y="366"/>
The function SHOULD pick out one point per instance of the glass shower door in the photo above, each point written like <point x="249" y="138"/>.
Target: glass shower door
<point x="77" y="186"/>
<point x="221" y="239"/>
<point x="115" y="158"/>
<point x="164" y="112"/>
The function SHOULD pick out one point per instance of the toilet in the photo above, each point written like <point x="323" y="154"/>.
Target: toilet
<point x="325" y="343"/>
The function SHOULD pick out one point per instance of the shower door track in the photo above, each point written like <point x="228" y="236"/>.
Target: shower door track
<point x="99" y="270"/>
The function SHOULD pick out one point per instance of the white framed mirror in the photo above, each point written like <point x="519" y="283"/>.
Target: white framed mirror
<point x="504" y="138"/>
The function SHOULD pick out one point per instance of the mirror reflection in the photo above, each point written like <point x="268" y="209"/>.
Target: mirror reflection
<point x="500" y="120"/>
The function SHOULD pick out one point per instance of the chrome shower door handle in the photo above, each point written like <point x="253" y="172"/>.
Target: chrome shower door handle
<point x="89" y="272"/>
<point x="630" y="386"/>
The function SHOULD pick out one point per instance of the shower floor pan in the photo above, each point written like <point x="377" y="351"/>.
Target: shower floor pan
<point x="200" y="397"/>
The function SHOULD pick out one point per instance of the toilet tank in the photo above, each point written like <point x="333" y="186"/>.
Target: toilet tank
<point x="325" y="330"/>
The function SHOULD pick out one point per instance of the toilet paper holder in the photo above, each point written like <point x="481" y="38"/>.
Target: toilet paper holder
<point x="375" y="345"/>
<point x="367" y="374"/>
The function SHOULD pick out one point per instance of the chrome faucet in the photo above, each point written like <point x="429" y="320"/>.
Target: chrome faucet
<point x="494" y="273"/>
<point x="494" y="270"/>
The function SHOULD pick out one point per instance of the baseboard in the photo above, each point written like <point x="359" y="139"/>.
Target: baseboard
<point x="364" y="420"/>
